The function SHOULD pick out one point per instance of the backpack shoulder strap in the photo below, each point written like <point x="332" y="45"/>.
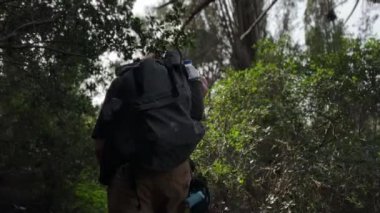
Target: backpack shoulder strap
<point x="171" y="69"/>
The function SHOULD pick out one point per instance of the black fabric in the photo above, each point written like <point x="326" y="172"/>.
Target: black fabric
<point x="148" y="118"/>
<point x="102" y="124"/>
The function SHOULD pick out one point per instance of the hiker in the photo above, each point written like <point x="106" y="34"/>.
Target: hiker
<point x="148" y="126"/>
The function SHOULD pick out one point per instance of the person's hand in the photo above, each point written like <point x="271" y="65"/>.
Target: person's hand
<point x="99" y="147"/>
<point x="204" y="86"/>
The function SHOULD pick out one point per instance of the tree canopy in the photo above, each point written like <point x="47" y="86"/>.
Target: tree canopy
<point x="49" y="67"/>
<point x="289" y="128"/>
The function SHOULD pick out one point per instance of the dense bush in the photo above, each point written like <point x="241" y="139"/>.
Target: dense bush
<point x="297" y="132"/>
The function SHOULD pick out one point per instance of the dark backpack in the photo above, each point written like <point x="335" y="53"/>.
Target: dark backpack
<point x="150" y="117"/>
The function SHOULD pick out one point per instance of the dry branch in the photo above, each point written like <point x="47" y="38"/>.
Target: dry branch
<point x="261" y="16"/>
<point x="25" y="46"/>
<point x="197" y="10"/>
<point x="29" y="24"/>
<point x="166" y="4"/>
<point x="352" y="11"/>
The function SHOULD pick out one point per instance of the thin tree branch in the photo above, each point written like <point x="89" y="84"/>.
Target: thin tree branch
<point x="258" y="20"/>
<point x="197" y="10"/>
<point x="47" y="48"/>
<point x="227" y="28"/>
<point x="166" y="4"/>
<point x="6" y="1"/>
<point x="353" y="10"/>
<point x="39" y="22"/>
<point x="13" y="62"/>
<point x="32" y="23"/>
<point x="340" y="3"/>
<point x="227" y="10"/>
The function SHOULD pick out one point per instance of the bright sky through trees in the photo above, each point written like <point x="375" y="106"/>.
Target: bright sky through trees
<point x="354" y="25"/>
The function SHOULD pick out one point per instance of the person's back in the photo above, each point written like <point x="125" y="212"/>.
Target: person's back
<point x="143" y="148"/>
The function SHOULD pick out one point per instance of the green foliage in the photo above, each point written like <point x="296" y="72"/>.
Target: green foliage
<point x="297" y="132"/>
<point x="90" y="196"/>
<point x="49" y="64"/>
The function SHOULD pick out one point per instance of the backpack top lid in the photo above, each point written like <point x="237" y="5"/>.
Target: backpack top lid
<point x="172" y="57"/>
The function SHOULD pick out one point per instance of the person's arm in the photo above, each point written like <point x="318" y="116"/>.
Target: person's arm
<point x="199" y="88"/>
<point x="102" y="124"/>
<point x="99" y="147"/>
<point x="204" y="86"/>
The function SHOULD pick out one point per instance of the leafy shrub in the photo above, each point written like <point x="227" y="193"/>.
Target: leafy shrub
<point x="297" y="132"/>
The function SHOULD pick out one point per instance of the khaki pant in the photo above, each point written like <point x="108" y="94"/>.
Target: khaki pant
<point x="162" y="192"/>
